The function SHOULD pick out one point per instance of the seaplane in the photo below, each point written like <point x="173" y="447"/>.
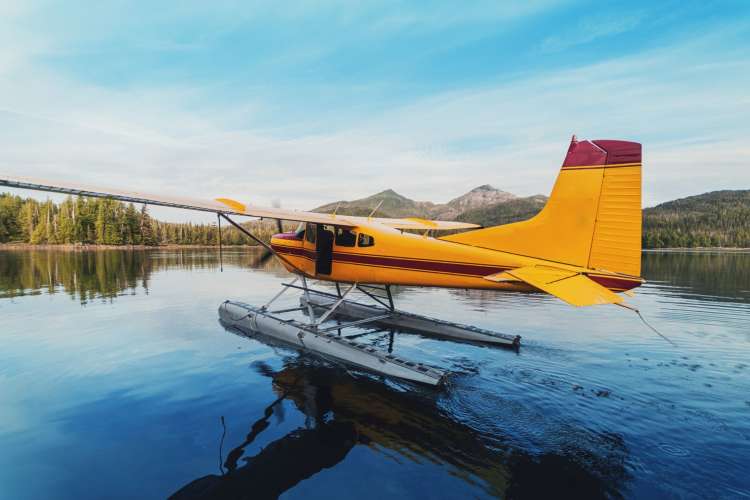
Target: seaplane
<point x="584" y="248"/>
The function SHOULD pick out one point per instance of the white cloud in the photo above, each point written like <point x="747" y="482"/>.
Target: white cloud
<point x="691" y="118"/>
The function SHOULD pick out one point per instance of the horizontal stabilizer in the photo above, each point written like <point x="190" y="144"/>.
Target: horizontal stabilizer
<point x="574" y="288"/>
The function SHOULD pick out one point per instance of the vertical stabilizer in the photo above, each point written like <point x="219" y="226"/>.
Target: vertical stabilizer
<point x="592" y="218"/>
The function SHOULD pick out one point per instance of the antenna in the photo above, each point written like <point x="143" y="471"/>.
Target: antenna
<point x="336" y="209"/>
<point x="376" y="208"/>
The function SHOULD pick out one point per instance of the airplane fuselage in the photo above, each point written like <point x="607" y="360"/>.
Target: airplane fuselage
<point x="377" y="254"/>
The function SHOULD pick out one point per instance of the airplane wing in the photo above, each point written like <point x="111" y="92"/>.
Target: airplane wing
<point x="220" y="205"/>
<point x="573" y="287"/>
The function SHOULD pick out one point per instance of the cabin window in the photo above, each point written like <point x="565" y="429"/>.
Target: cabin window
<point x="365" y="240"/>
<point x="345" y="237"/>
<point x="310" y="233"/>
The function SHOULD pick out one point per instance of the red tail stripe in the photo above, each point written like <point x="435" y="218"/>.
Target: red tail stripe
<point x="601" y="152"/>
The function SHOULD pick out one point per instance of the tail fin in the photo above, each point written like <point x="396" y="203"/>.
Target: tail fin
<point x="592" y="218"/>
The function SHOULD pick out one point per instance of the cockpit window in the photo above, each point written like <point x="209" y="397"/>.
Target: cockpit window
<point x="310" y="232"/>
<point x="365" y="240"/>
<point x="345" y="237"/>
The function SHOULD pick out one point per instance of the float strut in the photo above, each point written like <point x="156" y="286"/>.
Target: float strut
<point x="310" y="310"/>
<point x="334" y="306"/>
<point x="283" y="289"/>
<point x="390" y="297"/>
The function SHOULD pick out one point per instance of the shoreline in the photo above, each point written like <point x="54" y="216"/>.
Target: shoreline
<point x="697" y="250"/>
<point x="94" y="247"/>
<point x="87" y="248"/>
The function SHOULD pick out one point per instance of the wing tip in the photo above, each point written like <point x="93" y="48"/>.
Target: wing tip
<point x="233" y="204"/>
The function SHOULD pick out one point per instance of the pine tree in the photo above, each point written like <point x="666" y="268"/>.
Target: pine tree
<point x="101" y="224"/>
<point x="28" y="218"/>
<point x="132" y="226"/>
<point x="44" y="231"/>
<point x="146" y="229"/>
<point x="10" y="209"/>
<point x="66" y="232"/>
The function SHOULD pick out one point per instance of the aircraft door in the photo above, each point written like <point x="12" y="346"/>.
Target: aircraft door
<point x="324" y="250"/>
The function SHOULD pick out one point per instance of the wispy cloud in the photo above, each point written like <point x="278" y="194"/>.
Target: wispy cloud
<point x="591" y="28"/>
<point x="184" y="138"/>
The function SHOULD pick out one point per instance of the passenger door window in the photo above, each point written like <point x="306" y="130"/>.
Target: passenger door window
<point x="365" y="240"/>
<point x="345" y="237"/>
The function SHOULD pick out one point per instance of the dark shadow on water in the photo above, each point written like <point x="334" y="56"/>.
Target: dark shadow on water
<point x="404" y="424"/>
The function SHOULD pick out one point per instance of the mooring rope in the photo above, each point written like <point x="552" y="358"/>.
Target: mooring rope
<point x="635" y="310"/>
<point x="654" y="329"/>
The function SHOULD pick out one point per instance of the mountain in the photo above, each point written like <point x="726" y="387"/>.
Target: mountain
<point x="478" y="198"/>
<point x="505" y="212"/>
<point x="715" y="219"/>
<point x="396" y="205"/>
<point x="393" y="205"/>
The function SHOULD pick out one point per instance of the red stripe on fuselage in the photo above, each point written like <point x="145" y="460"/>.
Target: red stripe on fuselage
<point x="464" y="268"/>
<point x="461" y="268"/>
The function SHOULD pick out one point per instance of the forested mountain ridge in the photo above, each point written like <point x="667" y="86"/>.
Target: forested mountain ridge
<point x="513" y="210"/>
<point x="715" y="219"/>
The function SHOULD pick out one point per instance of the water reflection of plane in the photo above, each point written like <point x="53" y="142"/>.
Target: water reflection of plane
<point x="342" y="412"/>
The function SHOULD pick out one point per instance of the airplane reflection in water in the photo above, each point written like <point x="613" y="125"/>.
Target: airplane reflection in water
<point x="342" y="412"/>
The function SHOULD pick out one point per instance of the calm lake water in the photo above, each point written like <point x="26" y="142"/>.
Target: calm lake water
<point x="117" y="381"/>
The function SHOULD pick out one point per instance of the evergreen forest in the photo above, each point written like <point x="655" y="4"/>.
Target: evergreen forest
<point x="102" y="221"/>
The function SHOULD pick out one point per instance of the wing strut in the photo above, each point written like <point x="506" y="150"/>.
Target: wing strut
<point x="221" y="252"/>
<point x="260" y="242"/>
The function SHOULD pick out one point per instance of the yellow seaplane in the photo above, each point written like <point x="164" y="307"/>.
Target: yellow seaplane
<point x="584" y="248"/>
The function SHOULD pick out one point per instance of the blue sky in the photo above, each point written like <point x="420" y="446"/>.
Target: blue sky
<point x="309" y="102"/>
